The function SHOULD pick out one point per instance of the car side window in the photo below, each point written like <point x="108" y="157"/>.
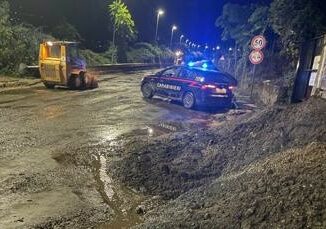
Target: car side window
<point x="187" y="74"/>
<point x="172" y="72"/>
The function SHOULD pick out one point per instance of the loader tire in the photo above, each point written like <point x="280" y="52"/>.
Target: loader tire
<point x="90" y="81"/>
<point x="74" y="82"/>
<point x="49" y="85"/>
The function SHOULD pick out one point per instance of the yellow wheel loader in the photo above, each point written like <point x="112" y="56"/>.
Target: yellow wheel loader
<point x="60" y="64"/>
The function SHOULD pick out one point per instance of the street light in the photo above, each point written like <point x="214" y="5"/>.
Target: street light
<point x="218" y="48"/>
<point x="172" y="32"/>
<point x="182" y="36"/>
<point x="159" y="13"/>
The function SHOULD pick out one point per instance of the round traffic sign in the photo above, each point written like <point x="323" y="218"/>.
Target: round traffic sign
<point x="256" y="57"/>
<point x="258" y="42"/>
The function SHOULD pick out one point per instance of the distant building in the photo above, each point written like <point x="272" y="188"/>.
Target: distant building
<point x="311" y="72"/>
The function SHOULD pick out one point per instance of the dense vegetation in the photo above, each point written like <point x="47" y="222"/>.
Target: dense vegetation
<point x="19" y="41"/>
<point x="285" y="23"/>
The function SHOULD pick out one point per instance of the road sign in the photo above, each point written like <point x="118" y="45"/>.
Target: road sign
<point x="258" y="42"/>
<point x="256" y="57"/>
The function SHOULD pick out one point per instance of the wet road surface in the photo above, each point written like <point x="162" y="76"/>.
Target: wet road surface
<point x="41" y="185"/>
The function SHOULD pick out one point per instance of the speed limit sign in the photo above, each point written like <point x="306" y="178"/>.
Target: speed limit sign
<point x="258" y="42"/>
<point x="256" y="57"/>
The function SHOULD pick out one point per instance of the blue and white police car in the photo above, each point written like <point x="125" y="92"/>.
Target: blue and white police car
<point x="193" y="84"/>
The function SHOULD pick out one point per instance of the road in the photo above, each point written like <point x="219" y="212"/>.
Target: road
<point x="54" y="148"/>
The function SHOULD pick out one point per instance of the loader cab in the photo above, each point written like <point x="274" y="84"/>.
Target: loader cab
<point x="59" y="63"/>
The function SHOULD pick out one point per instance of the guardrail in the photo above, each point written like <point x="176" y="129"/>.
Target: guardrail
<point x="105" y="68"/>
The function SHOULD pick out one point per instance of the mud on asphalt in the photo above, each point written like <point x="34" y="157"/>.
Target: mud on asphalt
<point x="59" y="149"/>
<point x="91" y="159"/>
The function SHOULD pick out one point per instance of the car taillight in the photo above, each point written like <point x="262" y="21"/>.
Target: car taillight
<point x="232" y="88"/>
<point x="209" y="86"/>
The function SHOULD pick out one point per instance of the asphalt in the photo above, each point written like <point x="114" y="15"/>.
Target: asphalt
<point x="44" y="184"/>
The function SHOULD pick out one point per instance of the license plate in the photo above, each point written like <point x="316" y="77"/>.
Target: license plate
<point x="221" y="90"/>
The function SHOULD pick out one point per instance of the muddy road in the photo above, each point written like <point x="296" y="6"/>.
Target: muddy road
<point x="55" y="144"/>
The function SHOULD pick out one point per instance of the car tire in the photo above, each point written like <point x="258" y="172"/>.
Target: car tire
<point x="49" y="85"/>
<point x="147" y="91"/>
<point x="189" y="100"/>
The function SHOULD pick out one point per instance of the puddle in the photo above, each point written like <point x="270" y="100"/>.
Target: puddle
<point x="122" y="200"/>
<point x="157" y="129"/>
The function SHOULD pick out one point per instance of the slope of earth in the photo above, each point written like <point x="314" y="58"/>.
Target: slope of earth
<point x="175" y="165"/>
<point x="286" y="190"/>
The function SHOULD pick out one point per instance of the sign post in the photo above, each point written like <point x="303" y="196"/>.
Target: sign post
<point x="258" y="42"/>
<point x="256" y="56"/>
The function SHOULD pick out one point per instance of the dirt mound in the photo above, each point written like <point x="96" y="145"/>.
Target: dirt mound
<point x="171" y="166"/>
<point x="285" y="190"/>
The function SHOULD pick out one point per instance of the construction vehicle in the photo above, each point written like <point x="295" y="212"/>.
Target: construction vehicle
<point x="60" y="65"/>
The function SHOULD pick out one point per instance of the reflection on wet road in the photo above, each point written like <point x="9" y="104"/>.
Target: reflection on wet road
<point x="52" y="120"/>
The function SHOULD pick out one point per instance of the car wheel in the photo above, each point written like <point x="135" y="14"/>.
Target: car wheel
<point x="189" y="100"/>
<point x="48" y="85"/>
<point x="147" y="91"/>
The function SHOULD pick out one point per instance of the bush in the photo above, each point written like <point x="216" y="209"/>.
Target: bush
<point x="148" y="53"/>
<point x="93" y="59"/>
<point x="18" y="43"/>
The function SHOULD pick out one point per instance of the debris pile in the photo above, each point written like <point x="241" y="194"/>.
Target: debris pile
<point x="267" y="170"/>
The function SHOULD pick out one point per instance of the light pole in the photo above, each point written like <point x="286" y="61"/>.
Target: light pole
<point x="172" y="32"/>
<point x="159" y="13"/>
<point x="181" y="37"/>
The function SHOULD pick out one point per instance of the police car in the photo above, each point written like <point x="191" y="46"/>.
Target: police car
<point x="193" y="84"/>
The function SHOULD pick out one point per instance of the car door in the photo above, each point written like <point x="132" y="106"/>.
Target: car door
<point x="166" y="84"/>
<point x="186" y="80"/>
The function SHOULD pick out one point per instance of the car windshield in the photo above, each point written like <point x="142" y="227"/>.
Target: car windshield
<point x="73" y="52"/>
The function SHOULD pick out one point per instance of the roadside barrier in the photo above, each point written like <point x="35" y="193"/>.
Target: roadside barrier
<point x="103" y="69"/>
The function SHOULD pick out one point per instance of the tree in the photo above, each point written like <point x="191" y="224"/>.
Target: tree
<point x="122" y="20"/>
<point x="18" y="43"/>
<point x="296" y="21"/>
<point x="242" y="22"/>
<point x="66" y="31"/>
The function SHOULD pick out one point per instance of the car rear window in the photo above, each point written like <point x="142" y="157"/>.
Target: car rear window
<point x="217" y="77"/>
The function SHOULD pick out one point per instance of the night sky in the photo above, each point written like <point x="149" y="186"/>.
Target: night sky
<point x="194" y="18"/>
